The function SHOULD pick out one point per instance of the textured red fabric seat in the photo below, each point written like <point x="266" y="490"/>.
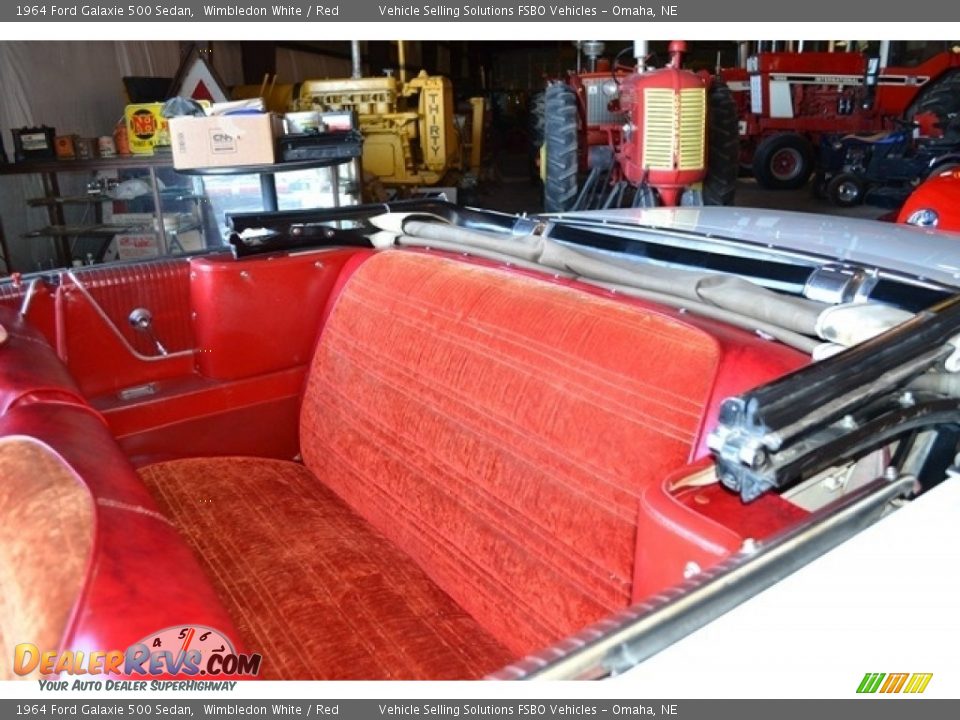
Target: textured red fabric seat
<point x="475" y="444"/>
<point x="310" y="584"/>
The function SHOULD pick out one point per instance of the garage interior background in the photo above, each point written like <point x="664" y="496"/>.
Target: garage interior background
<point x="76" y="87"/>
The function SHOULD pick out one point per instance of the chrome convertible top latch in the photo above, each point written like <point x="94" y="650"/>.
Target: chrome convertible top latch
<point x="838" y="409"/>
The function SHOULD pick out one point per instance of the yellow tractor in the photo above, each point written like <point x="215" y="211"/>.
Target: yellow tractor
<point x="412" y="136"/>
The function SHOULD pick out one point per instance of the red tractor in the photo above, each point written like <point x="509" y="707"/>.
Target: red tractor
<point x="790" y="100"/>
<point x="618" y="136"/>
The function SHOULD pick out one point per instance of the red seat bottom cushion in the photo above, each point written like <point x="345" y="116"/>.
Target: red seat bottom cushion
<point x="311" y="585"/>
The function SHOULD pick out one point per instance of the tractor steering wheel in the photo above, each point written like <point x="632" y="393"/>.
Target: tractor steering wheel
<point x="615" y="65"/>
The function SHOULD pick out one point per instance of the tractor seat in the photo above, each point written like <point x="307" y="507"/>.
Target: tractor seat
<point x="875" y="139"/>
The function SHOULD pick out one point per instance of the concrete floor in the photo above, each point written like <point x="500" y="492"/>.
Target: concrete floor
<point x="749" y="194"/>
<point x="510" y="189"/>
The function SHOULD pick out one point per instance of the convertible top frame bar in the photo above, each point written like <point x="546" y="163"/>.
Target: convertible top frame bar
<point x="780" y="433"/>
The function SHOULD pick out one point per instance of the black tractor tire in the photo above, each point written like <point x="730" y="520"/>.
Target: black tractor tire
<point x="535" y="128"/>
<point x="846" y="190"/>
<point x="723" y="146"/>
<point x="941" y="97"/>
<point x="560" y="148"/>
<point x="783" y="161"/>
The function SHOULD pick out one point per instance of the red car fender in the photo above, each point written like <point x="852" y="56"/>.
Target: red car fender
<point x="939" y="194"/>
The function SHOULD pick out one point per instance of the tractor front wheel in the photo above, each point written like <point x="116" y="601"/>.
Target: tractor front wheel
<point x="559" y="157"/>
<point x="783" y="161"/>
<point x="723" y="146"/>
<point x="845" y="190"/>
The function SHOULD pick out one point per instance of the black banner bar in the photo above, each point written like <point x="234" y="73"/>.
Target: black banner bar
<point x="741" y="11"/>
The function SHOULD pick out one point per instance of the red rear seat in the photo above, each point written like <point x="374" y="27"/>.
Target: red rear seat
<point x="487" y="438"/>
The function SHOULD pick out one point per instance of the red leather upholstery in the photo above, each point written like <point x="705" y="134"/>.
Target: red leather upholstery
<point x="42" y="504"/>
<point x="142" y="577"/>
<point x="29" y="368"/>
<point x="261" y="315"/>
<point x="160" y="286"/>
<point x="135" y="550"/>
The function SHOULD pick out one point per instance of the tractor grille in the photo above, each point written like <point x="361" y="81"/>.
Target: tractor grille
<point x="674" y="128"/>
<point x="597" y="102"/>
<point x="693" y="114"/>
<point x="659" y="122"/>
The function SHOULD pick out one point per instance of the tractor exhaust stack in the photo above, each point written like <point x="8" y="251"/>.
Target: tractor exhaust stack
<point x="357" y="64"/>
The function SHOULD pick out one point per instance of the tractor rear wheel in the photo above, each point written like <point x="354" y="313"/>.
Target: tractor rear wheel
<point x="535" y="125"/>
<point x="783" y="161"/>
<point x="560" y="148"/>
<point x="723" y="149"/>
<point x="941" y="97"/>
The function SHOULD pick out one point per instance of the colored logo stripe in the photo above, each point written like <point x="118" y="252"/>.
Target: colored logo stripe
<point x="918" y="682"/>
<point x="894" y="682"/>
<point x="870" y="682"/>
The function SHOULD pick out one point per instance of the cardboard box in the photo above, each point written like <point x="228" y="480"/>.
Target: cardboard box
<point x="224" y="140"/>
<point x="146" y="128"/>
<point x="140" y="245"/>
<point x="135" y="246"/>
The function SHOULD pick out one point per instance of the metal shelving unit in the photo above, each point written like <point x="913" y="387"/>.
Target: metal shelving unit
<point x="55" y="202"/>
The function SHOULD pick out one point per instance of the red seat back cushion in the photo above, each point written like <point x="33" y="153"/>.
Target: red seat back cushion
<point x="42" y="505"/>
<point x="500" y="430"/>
